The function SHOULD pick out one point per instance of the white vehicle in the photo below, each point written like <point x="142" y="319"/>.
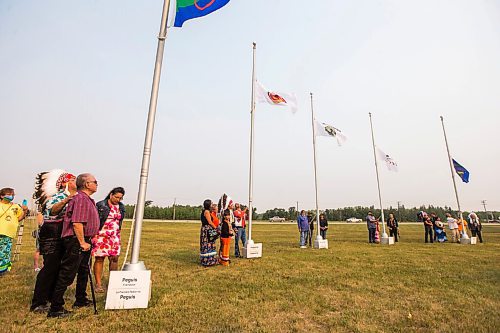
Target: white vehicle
<point x="353" y="220"/>
<point x="277" y="219"/>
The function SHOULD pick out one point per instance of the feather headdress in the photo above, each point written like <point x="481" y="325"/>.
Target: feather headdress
<point x="49" y="183"/>
<point x="224" y="202"/>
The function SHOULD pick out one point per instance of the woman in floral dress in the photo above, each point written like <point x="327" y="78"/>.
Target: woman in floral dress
<point x="107" y="242"/>
<point x="208" y="252"/>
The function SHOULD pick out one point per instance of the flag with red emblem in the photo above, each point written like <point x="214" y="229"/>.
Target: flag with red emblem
<point x="264" y="95"/>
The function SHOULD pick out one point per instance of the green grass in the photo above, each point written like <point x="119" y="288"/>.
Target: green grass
<point x="351" y="287"/>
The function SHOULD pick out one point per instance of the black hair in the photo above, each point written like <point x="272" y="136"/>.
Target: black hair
<point x="118" y="189"/>
<point x="207" y="204"/>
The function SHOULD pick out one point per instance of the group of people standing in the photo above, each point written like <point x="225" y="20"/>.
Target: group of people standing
<point x="373" y="227"/>
<point x="435" y="229"/>
<point x="305" y="223"/>
<point x="72" y="229"/>
<point x="225" y="220"/>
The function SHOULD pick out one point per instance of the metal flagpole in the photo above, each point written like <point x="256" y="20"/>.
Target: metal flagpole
<point x="315" y="173"/>
<point x="250" y="176"/>
<point x="464" y="234"/>
<point x="384" y="234"/>
<point x="135" y="264"/>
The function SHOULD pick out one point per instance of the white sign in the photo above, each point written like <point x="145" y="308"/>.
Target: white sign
<point x="321" y="244"/>
<point x="252" y="250"/>
<point x="128" y="290"/>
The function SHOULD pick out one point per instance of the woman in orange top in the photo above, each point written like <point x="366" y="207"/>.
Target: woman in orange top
<point x="213" y="213"/>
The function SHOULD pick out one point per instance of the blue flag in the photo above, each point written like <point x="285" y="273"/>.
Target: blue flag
<point x="461" y="171"/>
<point x="188" y="9"/>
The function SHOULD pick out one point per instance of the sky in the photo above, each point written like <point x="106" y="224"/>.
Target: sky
<point x="76" y="80"/>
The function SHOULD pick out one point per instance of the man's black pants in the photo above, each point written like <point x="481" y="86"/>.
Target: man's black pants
<point x="371" y="235"/>
<point x="428" y="234"/>
<point x="73" y="261"/>
<point x="52" y="251"/>
<point x="393" y="232"/>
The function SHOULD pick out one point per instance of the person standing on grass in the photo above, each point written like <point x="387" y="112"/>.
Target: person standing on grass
<point x="53" y="192"/>
<point x="441" y="233"/>
<point x="303" y="225"/>
<point x="239" y="228"/>
<point x="371" y="224"/>
<point x="393" y="226"/>
<point x="434" y="219"/>
<point x="453" y="226"/>
<point x="428" y="226"/>
<point x="323" y="225"/>
<point x="310" y="221"/>
<point x="475" y="226"/>
<point x="462" y="227"/>
<point x="225" y="238"/>
<point x="10" y="216"/>
<point x="208" y="252"/>
<point x="213" y="213"/>
<point x="81" y="223"/>
<point x="107" y="243"/>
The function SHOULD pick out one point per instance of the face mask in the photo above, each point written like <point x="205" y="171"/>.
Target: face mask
<point x="9" y="198"/>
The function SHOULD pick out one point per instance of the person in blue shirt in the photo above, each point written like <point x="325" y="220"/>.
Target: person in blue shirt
<point x="303" y="225"/>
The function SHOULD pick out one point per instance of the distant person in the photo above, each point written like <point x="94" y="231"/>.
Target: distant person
<point x="440" y="231"/>
<point x="428" y="226"/>
<point x="213" y="213"/>
<point x="10" y="216"/>
<point x="393" y="226"/>
<point x="239" y="229"/>
<point x="475" y="226"/>
<point x="462" y="227"/>
<point x="453" y="226"/>
<point x="81" y="224"/>
<point x="208" y="236"/>
<point x="310" y="221"/>
<point x="107" y="242"/>
<point x="323" y="225"/>
<point x="53" y="192"/>
<point x="434" y="219"/>
<point x="303" y="225"/>
<point x="371" y="224"/>
<point x="225" y="238"/>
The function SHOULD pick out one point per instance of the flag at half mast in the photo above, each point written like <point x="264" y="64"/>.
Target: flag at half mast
<point x="188" y="9"/>
<point x="391" y="164"/>
<point x="323" y="129"/>
<point x="264" y="95"/>
<point x="461" y="171"/>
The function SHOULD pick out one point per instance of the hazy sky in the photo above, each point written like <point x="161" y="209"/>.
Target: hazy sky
<point x="76" y="78"/>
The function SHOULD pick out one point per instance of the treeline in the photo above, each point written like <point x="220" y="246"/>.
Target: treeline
<point x="340" y="214"/>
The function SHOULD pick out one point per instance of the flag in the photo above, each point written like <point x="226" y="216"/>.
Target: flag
<point x="188" y="9"/>
<point x="264" y="95"/>
<point x="391" y="164"/>
<point x="461" y="171"/>
<point x="323" y="129"/>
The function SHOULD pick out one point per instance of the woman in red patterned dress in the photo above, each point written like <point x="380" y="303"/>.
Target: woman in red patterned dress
<point x="107" y="242"/>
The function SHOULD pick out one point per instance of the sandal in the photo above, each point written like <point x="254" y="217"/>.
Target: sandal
<point x="99" y="290"/>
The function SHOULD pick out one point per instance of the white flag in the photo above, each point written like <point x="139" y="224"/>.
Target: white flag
<point x="264" y="95"/>
<point x="323" y="129"/>
<point x="391" y="164"/>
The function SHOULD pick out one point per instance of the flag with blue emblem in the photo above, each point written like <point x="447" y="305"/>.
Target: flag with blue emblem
<point x="188" y="9"/>
<point x="461" y="171"/>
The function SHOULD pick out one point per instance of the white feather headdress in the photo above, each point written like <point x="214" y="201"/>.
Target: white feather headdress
<point x="46" y="186"/>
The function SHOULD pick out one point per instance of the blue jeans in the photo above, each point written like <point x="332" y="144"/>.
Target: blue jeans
<point x="240" y="234"/>
<point x="303" y="237"/>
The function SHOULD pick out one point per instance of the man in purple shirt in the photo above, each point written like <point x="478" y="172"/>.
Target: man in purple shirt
<point x="81" y="223"/>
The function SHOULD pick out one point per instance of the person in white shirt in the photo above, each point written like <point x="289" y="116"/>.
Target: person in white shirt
<point x="453" y="226"/>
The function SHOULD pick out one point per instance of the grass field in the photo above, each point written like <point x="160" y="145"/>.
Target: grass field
<point x="351" y="287"/>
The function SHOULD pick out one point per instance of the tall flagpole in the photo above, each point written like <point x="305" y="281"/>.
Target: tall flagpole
<point x="315" y="173"/>
<point x="250" y="176"/>
<point x="464" y="234"/>
<point x="135" y="264"/>
<point x="384" y="234"/>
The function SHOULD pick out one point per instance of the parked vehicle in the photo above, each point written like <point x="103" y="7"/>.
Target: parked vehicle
<point x="353" y="220"/>
<point x="277" y="219"/>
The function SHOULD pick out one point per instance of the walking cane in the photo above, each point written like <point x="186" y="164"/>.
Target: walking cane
<point x="92" y="283"/>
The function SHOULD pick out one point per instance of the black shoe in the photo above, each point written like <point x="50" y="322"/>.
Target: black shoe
<point x="82" y="304"/>
<point x="44" y="308"/>
<point x="59" y="314"/>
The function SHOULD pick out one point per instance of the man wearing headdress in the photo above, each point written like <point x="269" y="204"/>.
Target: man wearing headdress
<point x="53" y="191"/>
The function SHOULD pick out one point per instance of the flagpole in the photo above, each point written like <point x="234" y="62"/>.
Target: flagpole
<point x="384" y="234"/>
<point x="464" y="234"/>
<point x="135" y="264"/>
<point x="250" y="176"/>
<point x="315" y="172"/>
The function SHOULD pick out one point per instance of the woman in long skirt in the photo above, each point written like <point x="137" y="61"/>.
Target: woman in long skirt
<point x="208" y="252"/>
